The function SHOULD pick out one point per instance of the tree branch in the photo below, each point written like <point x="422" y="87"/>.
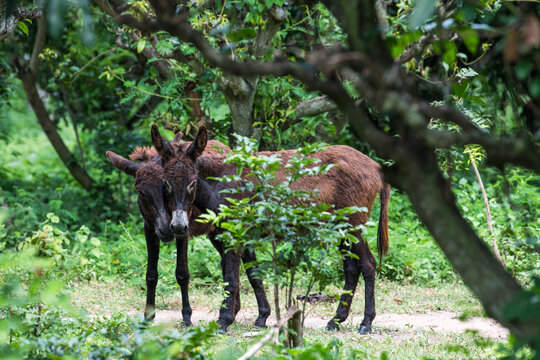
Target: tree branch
<point x="415" y="49"/>
<point x="39" y="44"/>
<point x="8" y="23"/>
<point x="315" y="106"/>
<point x="28" y="77"/>
<point x="293" y="310"/>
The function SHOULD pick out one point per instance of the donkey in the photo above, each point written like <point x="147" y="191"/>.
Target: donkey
<point x="355" y="181"/>
<point x="146" y="167"/>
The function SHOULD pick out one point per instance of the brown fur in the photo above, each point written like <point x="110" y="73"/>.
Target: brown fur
<point x="143" y="153"/>
<point x="151" y="173"/>
<point x="355" y="180"/>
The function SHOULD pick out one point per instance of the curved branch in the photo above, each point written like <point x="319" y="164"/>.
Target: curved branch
<point x="28" y="77"/>
<point x="315" y="106"/>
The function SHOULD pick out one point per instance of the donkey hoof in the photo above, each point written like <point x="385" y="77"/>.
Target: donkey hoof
<point x="187" y="323"/>
<point x="332" y="326"/>
<point x="261" y="324"/>
<point x="149" y="317"/>
<point x="364" y="330"/>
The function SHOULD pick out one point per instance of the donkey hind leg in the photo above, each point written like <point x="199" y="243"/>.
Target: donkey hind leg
<point x="152" y="248"/>
<point x="220" y="248"/>
<point x="351" y="270"/>
<point x="368" y="268"/>
<point x="258" y="288"/>
<point x="182" y="277"/>
<point x="227" y="312"/>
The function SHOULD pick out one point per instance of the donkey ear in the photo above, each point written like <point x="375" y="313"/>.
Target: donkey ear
<point x="127" y="166"/>
<point x="199" y="144"/>
<point x="161" y="144"/>
<point x="179" y="135"/>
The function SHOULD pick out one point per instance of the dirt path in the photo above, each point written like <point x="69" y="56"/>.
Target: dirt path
<point x="395" y="325"/>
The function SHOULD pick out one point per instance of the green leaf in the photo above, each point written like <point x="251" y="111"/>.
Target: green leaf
<point x="423" y="9"/>
<point x="470" y="38"/>
<point x="21" y="25"/>
<point x="53" y="218"/>
<point x="140" y="45"/>
<point x="95" y="241"/>
<point x="450" y="52"/>
<point x="523" y="69"/>
<point x="242" y="34"/>
<point x="164" y="47"/>
<point x="535" y="87"/>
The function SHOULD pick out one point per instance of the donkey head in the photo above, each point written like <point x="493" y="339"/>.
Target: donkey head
<point x="181" y="173"/>
<point x="150" y="185"/>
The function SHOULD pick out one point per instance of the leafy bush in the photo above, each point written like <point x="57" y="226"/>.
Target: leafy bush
<point x="267" y="214"/>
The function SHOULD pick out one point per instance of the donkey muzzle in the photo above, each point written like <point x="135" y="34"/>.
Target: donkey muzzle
<point x="180" y="223"/>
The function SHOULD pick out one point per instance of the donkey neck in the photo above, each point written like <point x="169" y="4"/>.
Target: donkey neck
<point x="213" y="166"/>
<point x="208" y="191"/>
<point x="207" y="196"/>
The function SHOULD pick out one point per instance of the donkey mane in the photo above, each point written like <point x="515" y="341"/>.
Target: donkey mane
<point x="143" y="153"/>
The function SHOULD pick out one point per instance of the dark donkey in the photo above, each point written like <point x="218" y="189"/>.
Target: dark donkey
<point x="355" y="181"/>
<point x="146" y="167"/>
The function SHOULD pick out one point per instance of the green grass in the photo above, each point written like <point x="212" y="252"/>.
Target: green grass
<point x="112" y="297"/>
<point x="115" y="295"/>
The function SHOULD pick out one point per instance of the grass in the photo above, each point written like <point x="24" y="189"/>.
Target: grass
<point x="116" y="295"/>
<point x="111" y="297"/>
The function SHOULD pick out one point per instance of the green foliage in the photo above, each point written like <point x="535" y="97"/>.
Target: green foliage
<point x="514" y="204"/>
<point x="268" y="213"/>
<point x="52" y="232"/>
<point x="526" y="308"/>
<point x="413" y="255"/>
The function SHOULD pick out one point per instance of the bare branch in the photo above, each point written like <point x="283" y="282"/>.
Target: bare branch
<point x="415" y="49"/>
<point x="39" y="44"/>
<point x="315" y="106"/>
<point x="253" y="350"/>
<point x="162" y="66"/>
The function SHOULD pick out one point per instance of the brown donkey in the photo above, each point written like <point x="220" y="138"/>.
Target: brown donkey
<point x="146" y="167"/>
<point x="355" y="181"/>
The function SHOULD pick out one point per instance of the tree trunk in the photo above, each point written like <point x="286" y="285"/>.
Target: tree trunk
<point x="296" y="330"/>
<point x="78" y="173"/>
<point x="239" y="93"/>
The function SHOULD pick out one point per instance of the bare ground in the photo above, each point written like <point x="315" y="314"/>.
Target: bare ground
<point x="394" y="325"/>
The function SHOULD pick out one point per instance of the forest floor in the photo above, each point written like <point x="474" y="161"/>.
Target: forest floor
<point x="412" y="321"/>
<point x="397" y="326"/>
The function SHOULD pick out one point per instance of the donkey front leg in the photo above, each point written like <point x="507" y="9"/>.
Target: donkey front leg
<point x="220" y="247"/>
<point x="258" y="288"/>
<point x="152" y="248"/>
<point x="227" y="314"/>
<point x="182" y="277"/>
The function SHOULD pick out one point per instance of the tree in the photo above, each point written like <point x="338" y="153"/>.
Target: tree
<point x="28" y="73"/>
<point x="400" y="105"/>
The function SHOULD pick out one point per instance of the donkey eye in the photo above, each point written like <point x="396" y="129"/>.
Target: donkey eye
<point x="168" y="186"/>
<point x="191" y="186"/>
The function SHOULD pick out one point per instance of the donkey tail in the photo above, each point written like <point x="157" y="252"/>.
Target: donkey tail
<point x="382" y="233"/>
